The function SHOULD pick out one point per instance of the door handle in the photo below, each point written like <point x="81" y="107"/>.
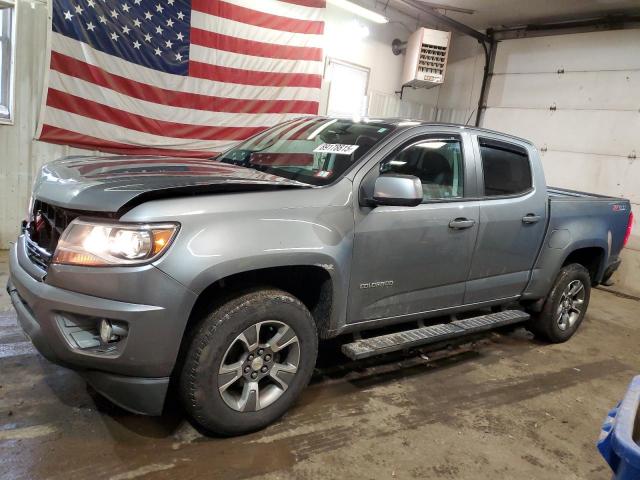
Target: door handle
<point x="461" y="223"/>
<point x="531" y="218"/>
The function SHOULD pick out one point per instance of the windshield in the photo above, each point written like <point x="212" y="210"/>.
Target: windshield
<point x="310" y="150"/>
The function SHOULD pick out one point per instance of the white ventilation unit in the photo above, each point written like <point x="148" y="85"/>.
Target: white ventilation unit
<point x="425" y="60"/>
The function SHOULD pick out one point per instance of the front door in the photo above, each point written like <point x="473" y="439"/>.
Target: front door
<point x="411" y="260"/>
<point x="512" y="222"/>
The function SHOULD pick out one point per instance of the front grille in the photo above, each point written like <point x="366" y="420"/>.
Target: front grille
<point x="37" y="255"/>
<point x="44" y="229"/>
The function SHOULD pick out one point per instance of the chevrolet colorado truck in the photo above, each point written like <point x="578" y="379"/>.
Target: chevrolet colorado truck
<point x="220" y="276"/>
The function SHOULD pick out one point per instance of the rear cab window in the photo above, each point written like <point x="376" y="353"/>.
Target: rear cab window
<point x="505" y="167"/>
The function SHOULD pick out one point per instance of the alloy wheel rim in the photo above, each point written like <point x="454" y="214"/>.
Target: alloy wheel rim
<point x="259" y="366"/>
<point x="571" y="305"/>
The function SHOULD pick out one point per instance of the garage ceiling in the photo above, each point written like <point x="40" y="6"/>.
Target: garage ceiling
<point x="503" y="13"/>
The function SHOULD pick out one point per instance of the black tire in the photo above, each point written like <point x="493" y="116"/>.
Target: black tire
<point x="212" y="343"/>
<point x="547" y="324"/>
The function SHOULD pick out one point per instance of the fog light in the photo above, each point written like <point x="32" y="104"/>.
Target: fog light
<point x="106" y="331"/>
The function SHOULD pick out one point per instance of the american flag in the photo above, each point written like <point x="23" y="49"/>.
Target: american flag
<point x="179" y="77"/>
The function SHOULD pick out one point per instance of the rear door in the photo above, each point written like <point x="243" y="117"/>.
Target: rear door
<point x="513" y="214"/>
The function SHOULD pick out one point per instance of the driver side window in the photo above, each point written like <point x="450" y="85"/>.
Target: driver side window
<point x="437" y="162"/>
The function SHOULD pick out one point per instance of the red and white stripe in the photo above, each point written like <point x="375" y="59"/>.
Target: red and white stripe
<point x="252" y="64"/>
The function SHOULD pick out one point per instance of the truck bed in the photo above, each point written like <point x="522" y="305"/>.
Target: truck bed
<point x="556" y="193"/>
<point x="597" y="220"/>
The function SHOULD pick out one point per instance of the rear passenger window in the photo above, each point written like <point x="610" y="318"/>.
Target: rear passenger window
<point x="505" y="167"/>
<point x="437" y="162"/>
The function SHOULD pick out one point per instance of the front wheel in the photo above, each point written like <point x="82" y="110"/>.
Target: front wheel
<point x="248" y="361"/>
<point x="565" y="306"/>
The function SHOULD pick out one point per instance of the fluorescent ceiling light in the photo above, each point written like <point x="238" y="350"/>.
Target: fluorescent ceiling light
<point x="358" y="10"/>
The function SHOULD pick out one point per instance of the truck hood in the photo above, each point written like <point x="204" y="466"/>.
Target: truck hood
<point x="116" y="184"/>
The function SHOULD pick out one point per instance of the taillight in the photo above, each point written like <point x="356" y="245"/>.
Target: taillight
<point x="628" y="232"/>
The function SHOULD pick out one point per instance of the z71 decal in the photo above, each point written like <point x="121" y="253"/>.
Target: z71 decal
<point x="619" y="207"/>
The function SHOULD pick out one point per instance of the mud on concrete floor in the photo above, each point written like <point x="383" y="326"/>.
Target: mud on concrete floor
<point x="508" y="407"/>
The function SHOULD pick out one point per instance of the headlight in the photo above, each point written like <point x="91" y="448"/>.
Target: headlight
<point x="104" y="244"/>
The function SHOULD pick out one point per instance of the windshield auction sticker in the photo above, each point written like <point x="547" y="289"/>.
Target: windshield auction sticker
<point x="337" y="148"/>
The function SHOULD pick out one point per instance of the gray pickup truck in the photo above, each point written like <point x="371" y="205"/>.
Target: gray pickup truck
<point x="220" y="276"/>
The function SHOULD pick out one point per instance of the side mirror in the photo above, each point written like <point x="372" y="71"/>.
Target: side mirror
<point x="398" y="190"/>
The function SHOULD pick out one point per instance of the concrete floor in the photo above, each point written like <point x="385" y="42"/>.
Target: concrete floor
<point x="506" y="407"/>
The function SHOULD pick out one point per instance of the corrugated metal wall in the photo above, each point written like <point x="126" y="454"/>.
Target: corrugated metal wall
<point x="577" y="97"/>
<point x="389" y="105"/>
<point x="455" y="101"/>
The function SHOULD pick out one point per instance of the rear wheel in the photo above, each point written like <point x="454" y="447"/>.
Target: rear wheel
<point x="248" y="361"/>
<point x="565" y="306"/>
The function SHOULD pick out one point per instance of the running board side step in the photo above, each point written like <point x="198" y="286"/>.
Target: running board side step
<point x="392" y="342"/>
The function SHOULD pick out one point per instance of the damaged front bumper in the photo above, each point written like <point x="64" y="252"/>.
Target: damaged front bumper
<point x="134" y="371"/>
